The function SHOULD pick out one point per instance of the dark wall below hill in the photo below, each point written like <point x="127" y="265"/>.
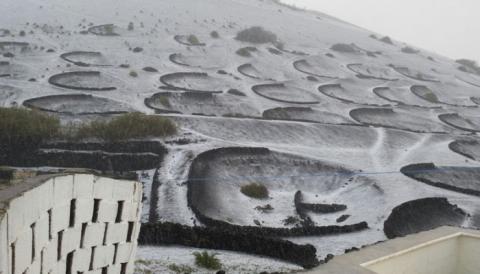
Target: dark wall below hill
<point x="226" y="239"/>
<point x="116" y="156"/>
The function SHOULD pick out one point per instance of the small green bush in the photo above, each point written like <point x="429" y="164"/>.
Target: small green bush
<point x="127" y="126"/>
<point x="192" y="39"/>
<point x="387" y="40"/>
<point x="467" y="62"/>
<point x="410" y="50"/>
<point x="109" y="29"/>
<point x="133" y="73"/>
<point x="431" y="97"/>
<point x="164" y="101"/>
<point x="256" y="35"/>
<point x="214" y="34"/>
<point x="255" y="190"/>
<point x="265" y="209"/>
<point x="130" y="26"/>
<point x="291" y="220"/>
<point x="469" y="66"/>
<point x="346" y="48"/>
<point x="246" y="51"/>
<point x="206" y="260"/>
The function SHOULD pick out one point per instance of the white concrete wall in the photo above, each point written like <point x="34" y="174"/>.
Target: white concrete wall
<point x="454" y="255"/>
<point x="440" y="258"/>
<point x="469" y="261"/>
<point x="55" y="195"/>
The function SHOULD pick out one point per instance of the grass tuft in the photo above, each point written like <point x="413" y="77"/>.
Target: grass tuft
<point x="207" y="260"/>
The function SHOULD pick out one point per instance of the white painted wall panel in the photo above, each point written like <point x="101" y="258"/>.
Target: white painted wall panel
<point x="55" y="194"/>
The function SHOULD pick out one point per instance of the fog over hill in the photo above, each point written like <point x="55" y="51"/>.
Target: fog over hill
<point x="297" y="130"/>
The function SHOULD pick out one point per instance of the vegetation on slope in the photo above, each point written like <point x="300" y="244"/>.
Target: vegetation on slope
<point x="127" y="126"/>
<point x="469" y="66"/>
<point x="257" y="35"/>
<point x="25" y="129"/>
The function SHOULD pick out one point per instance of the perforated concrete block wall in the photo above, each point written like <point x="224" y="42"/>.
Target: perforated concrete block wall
<point x="71" y="224"/>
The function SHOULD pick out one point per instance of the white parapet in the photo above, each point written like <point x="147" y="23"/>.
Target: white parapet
<point x="69" y="223"/>
<point x="453" y="254"/>
<point x="445" y="250"/>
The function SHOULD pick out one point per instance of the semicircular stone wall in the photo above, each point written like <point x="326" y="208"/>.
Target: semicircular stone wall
<point x="76" y="223"/>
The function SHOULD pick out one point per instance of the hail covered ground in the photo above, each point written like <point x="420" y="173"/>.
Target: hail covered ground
<point x="343" y="128"/>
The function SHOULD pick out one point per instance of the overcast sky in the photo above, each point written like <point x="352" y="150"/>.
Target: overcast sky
<point x="447" y="27"/>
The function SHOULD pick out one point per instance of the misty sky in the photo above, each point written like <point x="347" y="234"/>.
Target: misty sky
<point x="447" y="27"/>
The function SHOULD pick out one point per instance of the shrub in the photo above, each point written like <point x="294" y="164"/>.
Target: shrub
<point x="164" y="101"/>
<point x="206" y="260"/>
<point x="409" y="50"/>
<point x="265" y="209"/>
<point x="137" y="49"/>
<point x="255" y="190"/>
<point x="431" y="97"/>
<point x="291" y="220"/>
<point x="246" y="51"/>
<point x="22" y="33"/>
<point x="130" y="26"/>
<point x="387" y="40"/>
<point x="127" y="126"/>
<point x="150" y="69"/>
<point x="236" y="92"/>
<point x="257" y="35"/>
<point x="344" y="48"/>
<point x="214" y="34"/>
<point x="22" y="130"/>
<point x="133" y="73"/>
<point x="109" y="29"/>
<point x="274" y="51"/>
<point x="192" y="39"/>
<point x="469" y="65"/>
<point x="467" y="62"/>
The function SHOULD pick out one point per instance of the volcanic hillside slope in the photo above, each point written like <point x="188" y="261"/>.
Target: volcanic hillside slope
<point x="337" y="126"/>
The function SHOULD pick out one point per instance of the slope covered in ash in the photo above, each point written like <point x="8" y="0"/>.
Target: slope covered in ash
<point x="340" y="110"/>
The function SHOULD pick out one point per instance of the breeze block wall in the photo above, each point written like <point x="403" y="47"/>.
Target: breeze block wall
<point x="73" y="224"/>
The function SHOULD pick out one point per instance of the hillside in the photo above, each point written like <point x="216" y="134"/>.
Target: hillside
<point x="338" y="124"/>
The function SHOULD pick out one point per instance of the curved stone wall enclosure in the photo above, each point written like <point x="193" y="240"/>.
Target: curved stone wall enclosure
<point x="74" y="224"/>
